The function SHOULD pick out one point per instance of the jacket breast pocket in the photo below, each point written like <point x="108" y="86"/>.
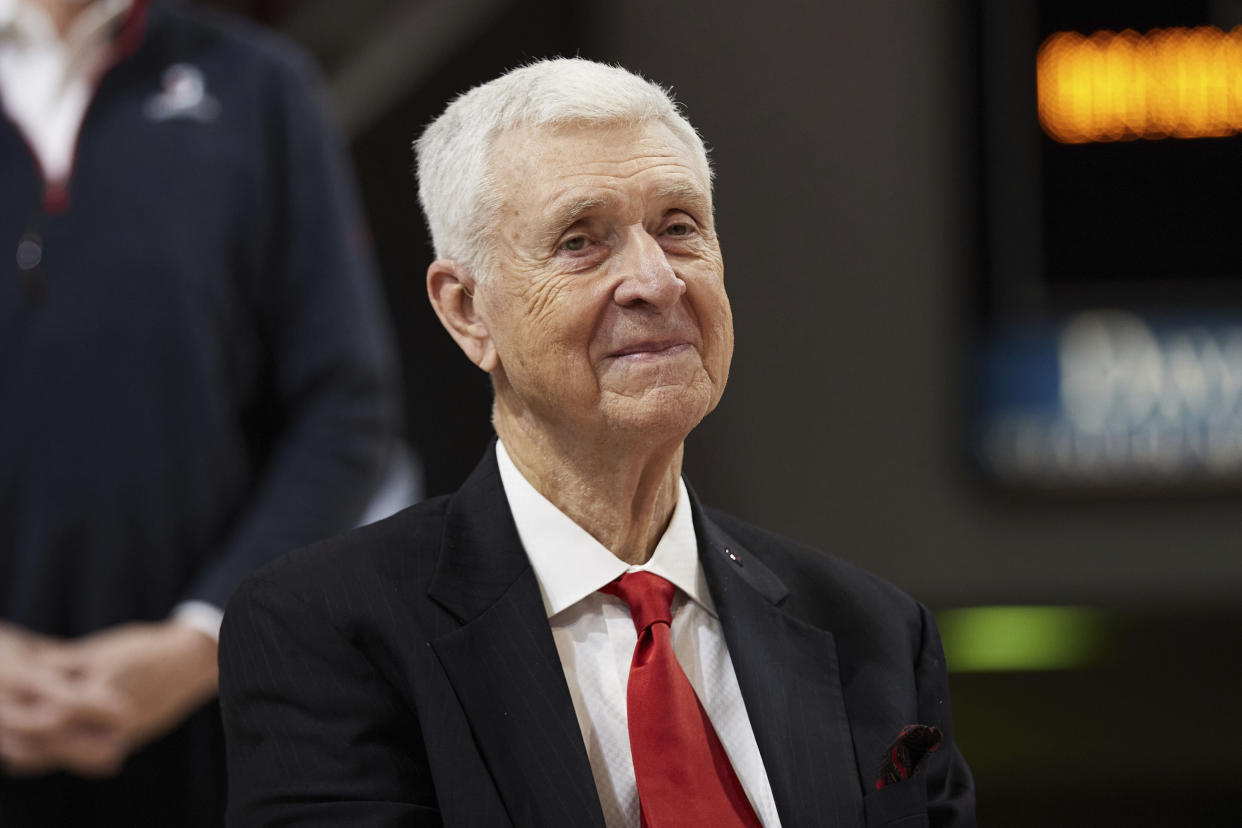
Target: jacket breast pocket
<point x="903" y="805"/>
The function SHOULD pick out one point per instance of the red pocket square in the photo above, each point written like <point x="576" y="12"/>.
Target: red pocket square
<point x="906" y="754"/>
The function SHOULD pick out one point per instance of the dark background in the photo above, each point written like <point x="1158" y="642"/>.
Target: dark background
<point x="845" y="138"/>
<point x="1143" y="224"/>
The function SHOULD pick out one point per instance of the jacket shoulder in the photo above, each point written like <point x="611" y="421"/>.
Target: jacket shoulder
<point x="385" y="552"/>
<point x="251" y="48"/>
<point x="826" y="590"/>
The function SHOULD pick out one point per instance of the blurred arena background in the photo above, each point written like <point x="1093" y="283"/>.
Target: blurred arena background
<point x="988" y="346"/>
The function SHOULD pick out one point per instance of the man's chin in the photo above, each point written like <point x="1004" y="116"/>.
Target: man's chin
<point x="666" y="413"/>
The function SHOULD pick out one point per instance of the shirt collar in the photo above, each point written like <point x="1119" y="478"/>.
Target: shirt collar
<point x="570" y="564"/>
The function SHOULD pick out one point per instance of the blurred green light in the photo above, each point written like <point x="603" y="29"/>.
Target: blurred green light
<point x="980" y="639"/>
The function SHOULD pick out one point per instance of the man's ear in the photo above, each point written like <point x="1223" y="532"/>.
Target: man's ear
<point x="451" y="287"/>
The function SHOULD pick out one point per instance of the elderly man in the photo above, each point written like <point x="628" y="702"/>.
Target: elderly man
<point x="572" y="639"/>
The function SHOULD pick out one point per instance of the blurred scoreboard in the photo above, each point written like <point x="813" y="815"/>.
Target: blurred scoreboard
<point x="1109" y="347"/>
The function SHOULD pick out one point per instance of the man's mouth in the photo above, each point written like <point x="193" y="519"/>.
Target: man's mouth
<point x="656" y="347"/>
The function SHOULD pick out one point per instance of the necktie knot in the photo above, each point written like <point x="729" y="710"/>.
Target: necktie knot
<point x="649" y="597"/>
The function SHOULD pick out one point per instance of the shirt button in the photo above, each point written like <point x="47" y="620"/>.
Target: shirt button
<point x="29" y="252"/>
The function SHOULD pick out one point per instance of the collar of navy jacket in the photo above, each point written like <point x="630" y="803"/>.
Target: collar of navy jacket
<point x="503" y="665"/>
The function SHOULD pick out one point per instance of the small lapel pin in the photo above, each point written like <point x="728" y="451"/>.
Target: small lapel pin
<point x="733" y="557"/>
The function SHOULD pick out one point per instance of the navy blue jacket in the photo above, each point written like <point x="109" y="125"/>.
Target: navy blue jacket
<point x="195" y="370"/>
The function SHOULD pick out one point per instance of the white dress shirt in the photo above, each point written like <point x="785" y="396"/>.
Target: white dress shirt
<point x="595" y="639"/>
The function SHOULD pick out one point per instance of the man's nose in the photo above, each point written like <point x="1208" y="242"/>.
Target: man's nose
<point x="648" y="277"/>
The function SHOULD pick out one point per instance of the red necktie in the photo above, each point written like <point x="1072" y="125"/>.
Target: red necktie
<point x="683" y="774"/>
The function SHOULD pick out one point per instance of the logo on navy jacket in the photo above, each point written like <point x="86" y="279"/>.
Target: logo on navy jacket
<point x="184" y="95"/>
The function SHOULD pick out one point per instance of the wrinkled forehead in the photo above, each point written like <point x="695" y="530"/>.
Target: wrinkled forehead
<point x="545" y="157"/>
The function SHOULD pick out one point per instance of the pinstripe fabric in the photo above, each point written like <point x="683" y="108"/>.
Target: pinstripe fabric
<point x="405" y="674"/>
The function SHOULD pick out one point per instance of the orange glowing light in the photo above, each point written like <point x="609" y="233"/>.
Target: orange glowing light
<point x="1119" y="86"/>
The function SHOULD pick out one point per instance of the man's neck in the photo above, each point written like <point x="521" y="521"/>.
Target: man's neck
<point x="622" y="494"/>
<point x="61" y="12"/>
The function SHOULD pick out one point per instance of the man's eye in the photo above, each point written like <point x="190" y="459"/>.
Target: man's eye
<point x="575" y="244"/>
<point x="681" y="228"/>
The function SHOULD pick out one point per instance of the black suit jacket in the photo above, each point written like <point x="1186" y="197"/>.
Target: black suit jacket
<point x="406" y="674"/>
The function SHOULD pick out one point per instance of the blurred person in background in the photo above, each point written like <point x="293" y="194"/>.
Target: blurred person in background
<point x="572" y="639"/>
<point x="195" y="375"/>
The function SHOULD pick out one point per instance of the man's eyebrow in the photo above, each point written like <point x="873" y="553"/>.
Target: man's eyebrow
<point x="688" y="194"/>
<point x="568" y="211"/>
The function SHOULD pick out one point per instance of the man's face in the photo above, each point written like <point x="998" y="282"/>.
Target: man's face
<point x="606" y="304"/>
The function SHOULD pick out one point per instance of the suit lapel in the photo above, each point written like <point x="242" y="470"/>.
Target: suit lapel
<point x="788" y="674"/>
<point x="503" y="664"/>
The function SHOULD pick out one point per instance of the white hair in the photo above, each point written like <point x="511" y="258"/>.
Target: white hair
<point x="456" y="184"/>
